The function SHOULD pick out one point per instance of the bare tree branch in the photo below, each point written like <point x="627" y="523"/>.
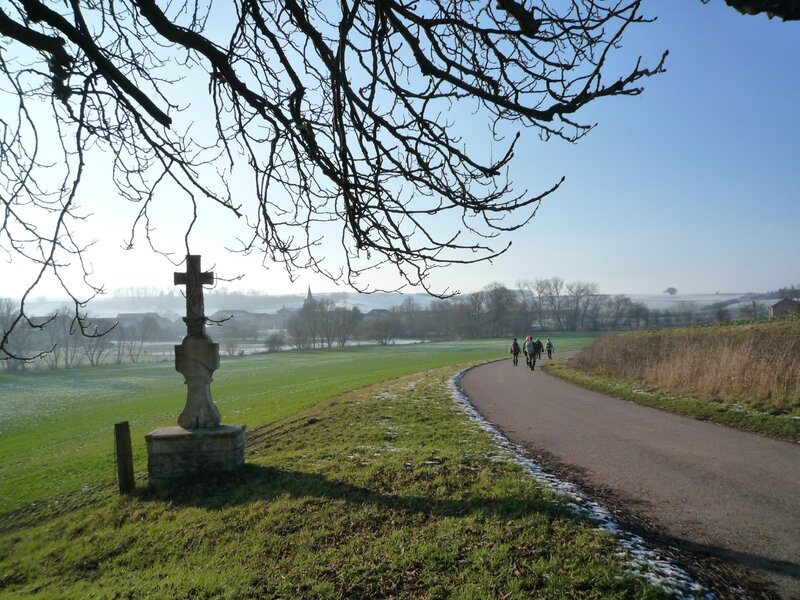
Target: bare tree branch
<point x="346" y="114"/>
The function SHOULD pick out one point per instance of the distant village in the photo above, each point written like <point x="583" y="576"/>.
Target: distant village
<point x="59" y="339"/>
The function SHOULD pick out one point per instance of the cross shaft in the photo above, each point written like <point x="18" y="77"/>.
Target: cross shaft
<point x="194" y="279"/>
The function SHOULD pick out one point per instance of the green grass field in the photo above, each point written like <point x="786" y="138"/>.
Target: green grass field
<point x="56" y="427"/>
<point x="386" y="491"/>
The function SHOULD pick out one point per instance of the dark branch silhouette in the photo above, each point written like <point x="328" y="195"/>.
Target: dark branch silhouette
<point x="343" y="113"/>
<point x="787" y="10"/>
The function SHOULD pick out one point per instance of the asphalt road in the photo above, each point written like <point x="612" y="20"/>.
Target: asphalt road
<point x="704" y="488"/>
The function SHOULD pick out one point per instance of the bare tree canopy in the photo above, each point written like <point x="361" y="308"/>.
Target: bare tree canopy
<point x="788" y="10"/>
<point x="341" y="111"/>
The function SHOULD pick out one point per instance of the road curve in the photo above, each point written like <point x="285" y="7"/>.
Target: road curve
<point x="706" y="488"/>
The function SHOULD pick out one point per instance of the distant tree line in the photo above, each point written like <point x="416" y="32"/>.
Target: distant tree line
<point x="322" y="324"/>
<point x="541" y="304"/>
<point x="791" y="291"/>
<point x="57" y="341"/>
<point x="550" y="304"/>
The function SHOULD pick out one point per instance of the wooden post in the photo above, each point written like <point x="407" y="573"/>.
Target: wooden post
<point x="122" y="437"/>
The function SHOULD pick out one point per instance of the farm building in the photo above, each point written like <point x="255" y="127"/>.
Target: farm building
<point x="784" y="308"/>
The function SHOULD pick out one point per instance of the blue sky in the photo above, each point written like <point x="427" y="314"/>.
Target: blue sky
<point x="694" y="184"/>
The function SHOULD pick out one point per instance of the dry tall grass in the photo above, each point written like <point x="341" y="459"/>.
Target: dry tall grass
<point x="754" y="364"/>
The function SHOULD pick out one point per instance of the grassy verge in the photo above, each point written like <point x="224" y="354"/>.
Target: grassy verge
<point x="782" y="425"/>
<point x="754" y="364"/>
<point x="389" y="491"/>
<point x="56" y="427"/>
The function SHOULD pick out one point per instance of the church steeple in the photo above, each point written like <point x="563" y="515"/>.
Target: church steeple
<point x="309" y="297"/>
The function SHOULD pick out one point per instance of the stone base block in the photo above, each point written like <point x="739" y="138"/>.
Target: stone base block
<point x="175" y="453"/>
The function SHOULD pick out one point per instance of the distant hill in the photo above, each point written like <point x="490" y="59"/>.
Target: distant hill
<point x="172" y="305"/>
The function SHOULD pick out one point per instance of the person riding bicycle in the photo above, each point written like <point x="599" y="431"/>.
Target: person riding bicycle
<point x="515" y="350"/>
<point x="550" y="348"/>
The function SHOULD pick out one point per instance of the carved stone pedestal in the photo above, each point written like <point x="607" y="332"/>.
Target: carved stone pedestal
<point x="175" y="454"/>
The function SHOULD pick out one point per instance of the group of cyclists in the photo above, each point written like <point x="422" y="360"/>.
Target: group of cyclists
<point x="532" y="349"/>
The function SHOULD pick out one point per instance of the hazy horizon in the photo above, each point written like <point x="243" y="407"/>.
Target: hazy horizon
<point x="111" y="306"/>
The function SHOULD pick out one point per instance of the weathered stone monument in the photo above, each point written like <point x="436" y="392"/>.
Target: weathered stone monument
<point x="199" y="444"/>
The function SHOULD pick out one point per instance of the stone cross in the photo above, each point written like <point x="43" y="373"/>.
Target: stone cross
<point x="197" y="357"/>
<point x="194" y="279"/>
